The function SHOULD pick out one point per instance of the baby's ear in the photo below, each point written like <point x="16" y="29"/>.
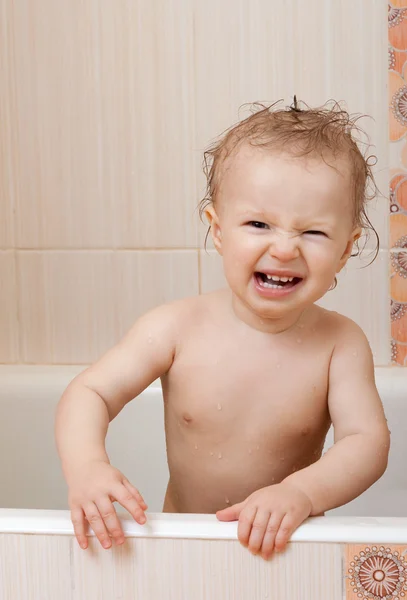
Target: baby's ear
<point x="355" y="235"/>
<point x="214" y="225"/>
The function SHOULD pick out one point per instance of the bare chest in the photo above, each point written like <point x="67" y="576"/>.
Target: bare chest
<point x="248" y="393"/>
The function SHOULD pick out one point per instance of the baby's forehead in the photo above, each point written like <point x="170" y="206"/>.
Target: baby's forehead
<point x="248" y="162"/>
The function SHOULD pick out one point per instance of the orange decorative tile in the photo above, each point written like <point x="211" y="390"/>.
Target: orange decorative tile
<point x="398" y="313"/>
<point x="397" y="60"/>
<point x="376" y="572"/>
<point x="398" y="191"/>
<point x="397" y="27"/>
<point x="398" y="276"/>
<point x="397" y="100"/>
<point x="398" y="230"/>
<point x="398" y="354"/>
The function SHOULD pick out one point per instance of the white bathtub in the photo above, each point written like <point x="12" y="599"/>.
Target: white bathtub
<point x="197" y="557"/>
<point x="31" y="475"/>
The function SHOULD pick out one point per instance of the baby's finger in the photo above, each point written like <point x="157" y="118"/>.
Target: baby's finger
<point x="270" y="535"/>
<point x="128" y="501"/>
<point x="79" y="526"/>
<point x="97" y="524"/>
<point x="110" y="519"/>
<point x="135" y="493"/>
<point x="285" y="531"/>
<point x="231" y="513"/>
<point x="258" y="530"/>
<point x="244" y="527"/>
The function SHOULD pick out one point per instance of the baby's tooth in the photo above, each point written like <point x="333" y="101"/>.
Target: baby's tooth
<point x="274" y="277"/>
<point x="284" y="279"/>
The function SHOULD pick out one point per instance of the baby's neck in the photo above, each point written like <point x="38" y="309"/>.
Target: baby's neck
<point x="273" y="326"/>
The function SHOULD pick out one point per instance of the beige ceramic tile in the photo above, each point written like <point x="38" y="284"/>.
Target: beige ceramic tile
<point x="75" y="305"/>
<point x="35" y="567"/>
<point x="8" y="135"/>
<point x="375" y="571"/>
<point x="362" y="294"/>
<point x="102" y="124"/>
<point x="8" y="308"/>
<point x="315" y="49"/>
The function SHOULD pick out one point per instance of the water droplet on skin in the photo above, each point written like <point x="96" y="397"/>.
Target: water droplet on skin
<point x="355" y="353"/>
<point x="227" y="500"/>
<point x="220" y="455"/>
<point x="282" y="458"/>
<point x="219" y="407"/>
<point x="299" y="341"/>
<point x="301" y="326"/>
<point x="196" y="447"/>
<point x="257" y="447"/>
<point x="278" y="366"/>
<point x="250" y="450"/>
<point x="211" y="453"/>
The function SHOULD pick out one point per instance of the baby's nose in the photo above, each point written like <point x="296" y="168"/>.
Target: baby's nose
<point x="284" y="246"/>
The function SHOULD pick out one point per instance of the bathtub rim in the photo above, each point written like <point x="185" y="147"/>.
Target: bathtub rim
<point x="358" y="530"/>
<point x="392" y="378"/>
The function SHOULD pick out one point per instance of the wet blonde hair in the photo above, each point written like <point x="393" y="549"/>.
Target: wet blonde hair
<point x="327" y="131"/>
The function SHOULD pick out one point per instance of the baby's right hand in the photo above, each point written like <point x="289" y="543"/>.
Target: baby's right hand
<point x="92" y="491"/>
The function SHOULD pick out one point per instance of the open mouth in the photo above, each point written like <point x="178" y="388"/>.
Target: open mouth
<point x="276" y="282"/>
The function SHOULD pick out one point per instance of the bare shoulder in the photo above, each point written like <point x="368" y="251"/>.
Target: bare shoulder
<point x="179" y="316"/>
<point x="200" y="307"/>
<point x="341" y="331"/>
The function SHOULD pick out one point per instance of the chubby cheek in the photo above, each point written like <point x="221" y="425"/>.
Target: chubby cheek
<point x="324" y="267"/>
<point x="239" y="261"/>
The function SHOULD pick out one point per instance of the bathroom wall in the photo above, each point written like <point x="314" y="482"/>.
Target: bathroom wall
<point x="106" y="108"/>
<point x="397" y="18"/>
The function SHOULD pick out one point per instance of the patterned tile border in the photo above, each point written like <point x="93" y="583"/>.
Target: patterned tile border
<point x="375" y="572"/>
<point x="397" y="55"/>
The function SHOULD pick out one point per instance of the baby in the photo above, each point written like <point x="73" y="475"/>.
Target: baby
<point x="252" y="375"/>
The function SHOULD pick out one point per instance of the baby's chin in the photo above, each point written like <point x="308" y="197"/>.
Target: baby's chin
<point x="267" y="316"/>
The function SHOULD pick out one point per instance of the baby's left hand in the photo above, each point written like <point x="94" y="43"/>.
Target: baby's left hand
<point x="268" y="517"/>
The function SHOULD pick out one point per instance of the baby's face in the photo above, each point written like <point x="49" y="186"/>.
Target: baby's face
<point x="284" y="227"/>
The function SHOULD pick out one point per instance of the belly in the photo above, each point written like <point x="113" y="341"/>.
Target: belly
<point x="210" y="472"/>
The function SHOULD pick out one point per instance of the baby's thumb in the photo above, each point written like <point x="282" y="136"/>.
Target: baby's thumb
<point x="231" y="513"/>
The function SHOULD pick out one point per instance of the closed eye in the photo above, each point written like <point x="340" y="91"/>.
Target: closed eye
<point x="316" y="232"/>
<point x="258" y="224"/>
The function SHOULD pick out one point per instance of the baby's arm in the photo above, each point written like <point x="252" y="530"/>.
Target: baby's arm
<point x="269" y="516"/>
<point x="87" y="406"/>
<point x="362" y="440"/>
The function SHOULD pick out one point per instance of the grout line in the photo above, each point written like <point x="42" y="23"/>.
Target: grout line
<point x="28" y="363"/>
<point x="18" y="307"/>
<point x="121" y="249"/>
<point x="154" y="249"/>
